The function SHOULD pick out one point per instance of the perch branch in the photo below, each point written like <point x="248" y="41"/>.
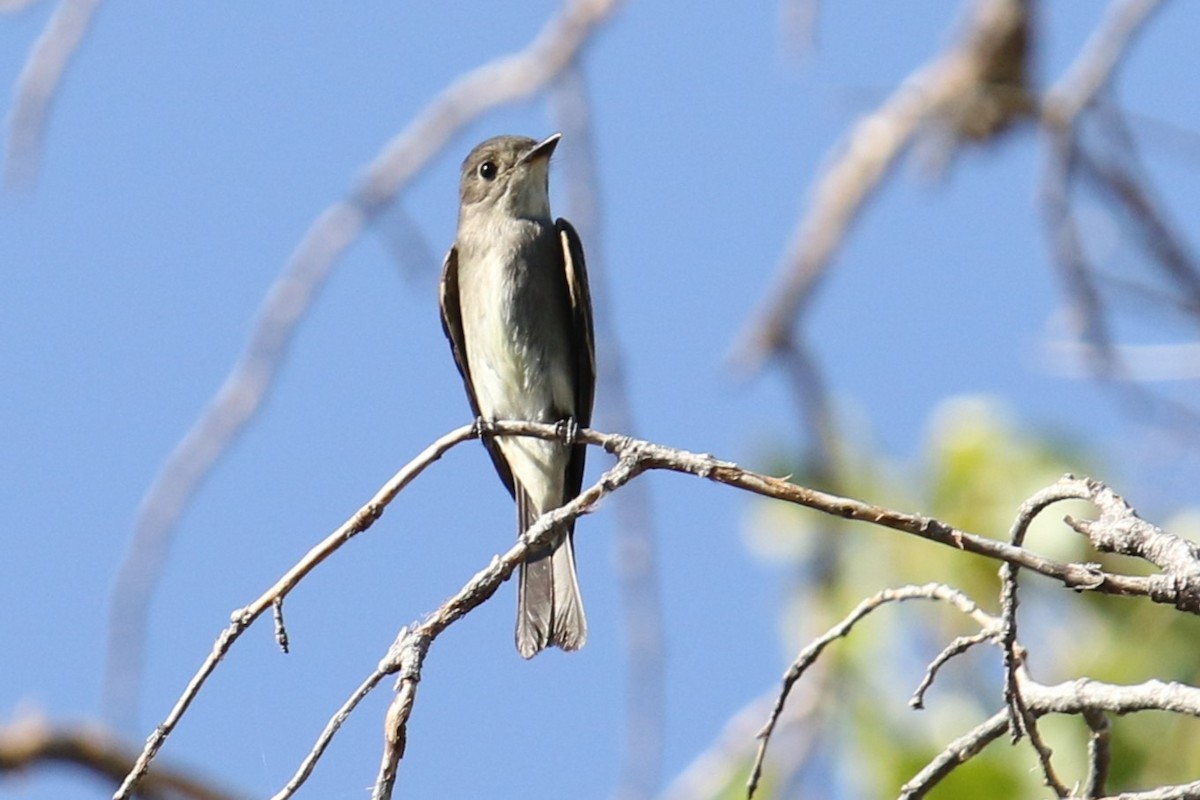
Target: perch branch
<point x="635" y="456"/>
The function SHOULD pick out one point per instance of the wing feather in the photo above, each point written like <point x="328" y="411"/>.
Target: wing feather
<point x="448" y="299"/>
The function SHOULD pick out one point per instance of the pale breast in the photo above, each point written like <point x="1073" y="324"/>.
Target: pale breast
<point x="517" y="329"/>
<point x="519" y="347"/>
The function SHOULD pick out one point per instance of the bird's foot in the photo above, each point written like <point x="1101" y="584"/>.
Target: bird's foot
<point x="567" y="430"/>
<point x="484" y="426"/>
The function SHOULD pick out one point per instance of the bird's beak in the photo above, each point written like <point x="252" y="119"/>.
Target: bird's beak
<point x="542" y="149"/>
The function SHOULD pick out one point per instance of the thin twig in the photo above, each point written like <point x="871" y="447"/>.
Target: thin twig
<point x="1128" y="185"/>
<point x="28" y="744"/>
<point x="1021" y="719"/>
<point x="807" y="656"/>
<point x="1065" y="102"/>
<point x="387" y="666"/>
<point x="869" y="152"/>
<point x="242" y="618"/>
<point x="1093" y="68"/>
<point x="636" y="456"/>
<point x="1183" y="791"/>
<point x="281" y="635"/>
<point x="955" y="754"/>
<point x="36" y="85"/>
<point x="415" y="643"/>
<point x="494" y="84"/>
<point x="1099" y="753"/>
<point x="957" y="647"/>
<point x="1084" y="697"/>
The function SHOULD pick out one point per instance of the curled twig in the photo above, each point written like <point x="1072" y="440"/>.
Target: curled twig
<point x="1118" y="529"/>
<point x="807" y="656"/>
<point x="957" y="647"/>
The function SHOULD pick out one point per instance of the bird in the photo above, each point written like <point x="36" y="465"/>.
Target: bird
<point x="516" y="308"/>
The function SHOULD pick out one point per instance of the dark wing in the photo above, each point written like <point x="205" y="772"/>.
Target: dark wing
<point x="448" y="299"/>
<point x="584" y="339"/>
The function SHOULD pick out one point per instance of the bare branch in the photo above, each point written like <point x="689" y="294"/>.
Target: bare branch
<point x="1120" y="530"/>
<point x="1184" y="791"/>
<point x="1092" y="70"/>
<point x="281" y="636"/>
<point x="957" y="647"/>
<point x="807" y="656"/>
<point x="1064" y="102"/>
<point x="1084" y="694"/>
<point x="815" y="408"/>
<point x="959" y="76"/>
<point x="635" y="456"/>
<point x="1029" y="725"/>
<point x="1084" y="697"/>
<point x="1020" y="721"/>
<point x="1121" y="177"/>
<point x="1067" y="160"/>
<point x="388" y="665"/>
<point x="957" y="753"/>
<point x="1089" y="322"/>
<point x="415" y="643"/>
<point x="502" y="81"/>
<point x="1099" y="753"/>
<point x="28" y="744"/>
<point x="242" y="618"/>
<point x="36" y="85"/>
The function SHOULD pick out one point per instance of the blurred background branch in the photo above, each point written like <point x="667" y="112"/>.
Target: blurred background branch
<point x="37" y="85"/>
<point x="28" y="745"/>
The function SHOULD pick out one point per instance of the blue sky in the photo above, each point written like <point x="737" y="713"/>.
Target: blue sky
<point x="189" y="148"/>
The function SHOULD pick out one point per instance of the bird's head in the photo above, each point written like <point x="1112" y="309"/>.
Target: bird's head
<point x="509" y="174"/>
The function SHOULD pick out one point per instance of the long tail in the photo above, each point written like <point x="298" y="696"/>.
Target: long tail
<point x="549" y="608"/>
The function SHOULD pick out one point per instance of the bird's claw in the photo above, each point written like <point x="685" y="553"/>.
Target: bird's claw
<point x="484" y="426"/>
<point x="568" y="430"/>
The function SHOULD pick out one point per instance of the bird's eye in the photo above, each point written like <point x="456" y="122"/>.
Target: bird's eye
<point x="487" y="170"/>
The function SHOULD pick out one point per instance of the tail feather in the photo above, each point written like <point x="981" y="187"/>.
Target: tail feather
<point x="549" y="607"/>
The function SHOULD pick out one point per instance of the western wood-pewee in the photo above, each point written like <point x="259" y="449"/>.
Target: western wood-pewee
<point x="516" y="309"/>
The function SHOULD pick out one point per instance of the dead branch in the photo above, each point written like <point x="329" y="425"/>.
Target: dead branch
<point x="983" y="70"/>
<point x="242" y="618"/>
<point x="957" y="753"/>
<point x="809" y="655"/>
<point x="28" y="744"/>
<point x="1087" y="698"/>
<point x="1118" y="529"/>
<point x="37" y="83"/>
<point x="1099" y="753"/>
<point x="634" y="457"/>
